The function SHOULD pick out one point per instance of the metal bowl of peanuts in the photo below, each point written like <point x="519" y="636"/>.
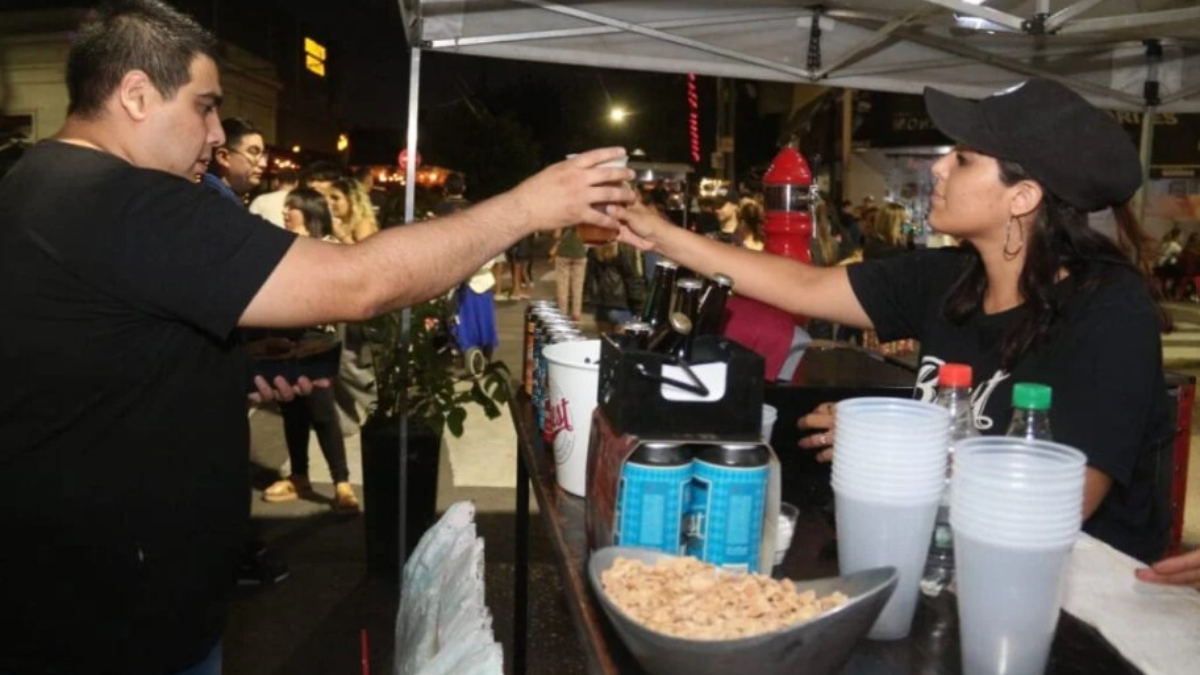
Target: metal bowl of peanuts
<point x="680" y="616"/>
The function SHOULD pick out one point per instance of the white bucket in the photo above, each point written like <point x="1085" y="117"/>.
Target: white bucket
<point x="573" y="380"/>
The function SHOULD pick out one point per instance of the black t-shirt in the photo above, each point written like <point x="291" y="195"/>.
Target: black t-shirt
<point x="123" y="434"/>
<point x="1103" y="361"/>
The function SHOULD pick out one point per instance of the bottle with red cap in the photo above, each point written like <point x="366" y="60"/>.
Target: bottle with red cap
<point x="954" y="394"/>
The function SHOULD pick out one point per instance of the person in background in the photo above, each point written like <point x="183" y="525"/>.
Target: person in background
<point x="851" y="230"/>
<point x="476" y="327"/>
<point x="236" y="169"/>
<point x="307" y="214"/>
<point x="1189" y="263"/>
<point x="1167" y="266"/>
<point x="570" y="270"/>
<point x="354" y="389"/>
<point x="618" y="287"/>
<point x="269" y="205"/>
<point x="883" y="236"/>
<point x="353" y="216"/>
<point x="237" y="166"/>
<point x="751" y="220"/>
<point x="520" y="262"/>
<point x="1033" y="294"/>
<point x="727" y="215"/>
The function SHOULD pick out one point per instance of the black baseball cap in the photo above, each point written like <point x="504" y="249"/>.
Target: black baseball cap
<point x="1075" y="150"/>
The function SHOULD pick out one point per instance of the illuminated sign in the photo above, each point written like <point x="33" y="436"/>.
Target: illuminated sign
<point x="314" y="57"/>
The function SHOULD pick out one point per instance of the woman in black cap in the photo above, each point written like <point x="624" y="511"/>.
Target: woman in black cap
<point x="1033" y="294"/>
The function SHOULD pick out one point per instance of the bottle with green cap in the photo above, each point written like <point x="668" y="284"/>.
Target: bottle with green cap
<point x="1031" y="411"/>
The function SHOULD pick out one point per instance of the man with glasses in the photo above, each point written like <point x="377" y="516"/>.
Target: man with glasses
<point x="235" y="170"/>
<point x="237" y="167"/>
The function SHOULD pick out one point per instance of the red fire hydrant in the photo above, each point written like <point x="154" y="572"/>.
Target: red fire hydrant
<point x="787" y="189"/>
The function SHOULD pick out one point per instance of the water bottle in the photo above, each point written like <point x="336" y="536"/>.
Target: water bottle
<point x="1031" y="411"/>
<point x="954" y="394"/>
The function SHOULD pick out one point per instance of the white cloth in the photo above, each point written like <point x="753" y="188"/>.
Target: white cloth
<point x="270" y="206"/>
<point x="1157" y="628"/>
<point x="483" y="279"/>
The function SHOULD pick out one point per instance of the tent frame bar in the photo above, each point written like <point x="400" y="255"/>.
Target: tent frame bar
<point x="1143" y="20"/>
<point x="982" y="12"/>
<point x="450" y="43"/>
<point x="953" y="47"/>
<point x="879" y="37"/>
<point x="1062" y="16"/>
<point x="668" y="37"/>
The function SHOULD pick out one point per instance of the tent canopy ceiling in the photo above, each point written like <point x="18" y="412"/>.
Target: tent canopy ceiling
<point x="1095" y="46"/>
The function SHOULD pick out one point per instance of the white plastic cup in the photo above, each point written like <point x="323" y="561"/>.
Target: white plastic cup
<point x="1008" y="604"/>
<point x="788" y="515"/>
<point x="874" y="534"/>
<point x="1015" y="510"/>
<point x="573" y="380"/>
<point x="769" y="415"/>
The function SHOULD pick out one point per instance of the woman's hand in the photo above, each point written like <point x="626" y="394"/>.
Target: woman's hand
<point x="641" y="224"/>
<point x="1180" y="570"/>
<point x="821" y="420"/>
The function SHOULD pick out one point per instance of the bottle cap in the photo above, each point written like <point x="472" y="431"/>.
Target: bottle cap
<point x="954" y="375"/>
<point x="1031" y="396"/>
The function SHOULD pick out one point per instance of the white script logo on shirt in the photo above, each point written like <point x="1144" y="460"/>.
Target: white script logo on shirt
<point x="927" y="377"/>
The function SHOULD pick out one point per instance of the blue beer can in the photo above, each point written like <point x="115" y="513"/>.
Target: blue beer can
<point x="729" y="493"/>
<point x="542" y="338"/>
<point x="653" y="497"/>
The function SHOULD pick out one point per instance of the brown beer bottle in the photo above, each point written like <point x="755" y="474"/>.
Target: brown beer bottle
<point x="673" y="337"/>
<point x="687" y="297"/>
<point x="712" y="305"/>
<point x="657" y="310"/>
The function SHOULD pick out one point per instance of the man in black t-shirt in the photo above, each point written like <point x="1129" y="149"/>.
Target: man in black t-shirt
<point x="122" y="420"/>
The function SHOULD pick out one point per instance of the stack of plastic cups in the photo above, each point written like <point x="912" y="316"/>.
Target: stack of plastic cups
<point x="889" y="470"/>
<point x="1016" y="510"/>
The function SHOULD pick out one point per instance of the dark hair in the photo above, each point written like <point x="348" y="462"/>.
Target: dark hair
<point x="1059" y="238"/>
<point x="126" y="35"/>
<point x="236" y="129"/>
<point x="321" y="171"/>
<point x="287" y="176"/>
<point x="456" y="184"/>
<point x="312" y="204"/>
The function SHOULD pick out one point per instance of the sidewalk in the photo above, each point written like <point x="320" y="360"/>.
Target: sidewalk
<point x="311" y="623"/>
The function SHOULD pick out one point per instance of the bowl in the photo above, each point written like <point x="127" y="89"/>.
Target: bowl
<point x="815" y="647"/>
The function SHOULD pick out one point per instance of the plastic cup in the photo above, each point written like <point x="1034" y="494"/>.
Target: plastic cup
<point x="769" y="415"/>
<point x="879" y="495"/>
<point x="1008" y="604"/>
<point x="875" y="534"/>
<point x="594" y="235"/>
<point x="573" y="379"/>
<point x="1015" y="511"/>
<point x="788" y="515"/>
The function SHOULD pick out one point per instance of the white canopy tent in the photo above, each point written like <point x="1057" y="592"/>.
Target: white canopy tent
<point x="1094" y="46"/>
<point x="1107" y="50"/>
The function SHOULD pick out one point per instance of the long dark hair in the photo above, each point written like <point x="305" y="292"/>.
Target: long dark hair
<point x="317" y="219"/>
<point x="1060" y="238"/>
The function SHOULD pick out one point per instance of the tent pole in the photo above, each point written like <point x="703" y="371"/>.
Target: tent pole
<point x="410" y="198"/>
<point x="1145" y="151"/>
<point x="847" y="143"/>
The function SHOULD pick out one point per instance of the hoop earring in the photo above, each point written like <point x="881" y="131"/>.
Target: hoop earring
<point x="1010" y="255"/>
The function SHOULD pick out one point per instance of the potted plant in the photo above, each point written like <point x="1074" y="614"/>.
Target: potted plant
<point x="421" y="381"/>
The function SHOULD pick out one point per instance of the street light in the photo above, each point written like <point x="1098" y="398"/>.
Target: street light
<point x="617" y="115"/>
